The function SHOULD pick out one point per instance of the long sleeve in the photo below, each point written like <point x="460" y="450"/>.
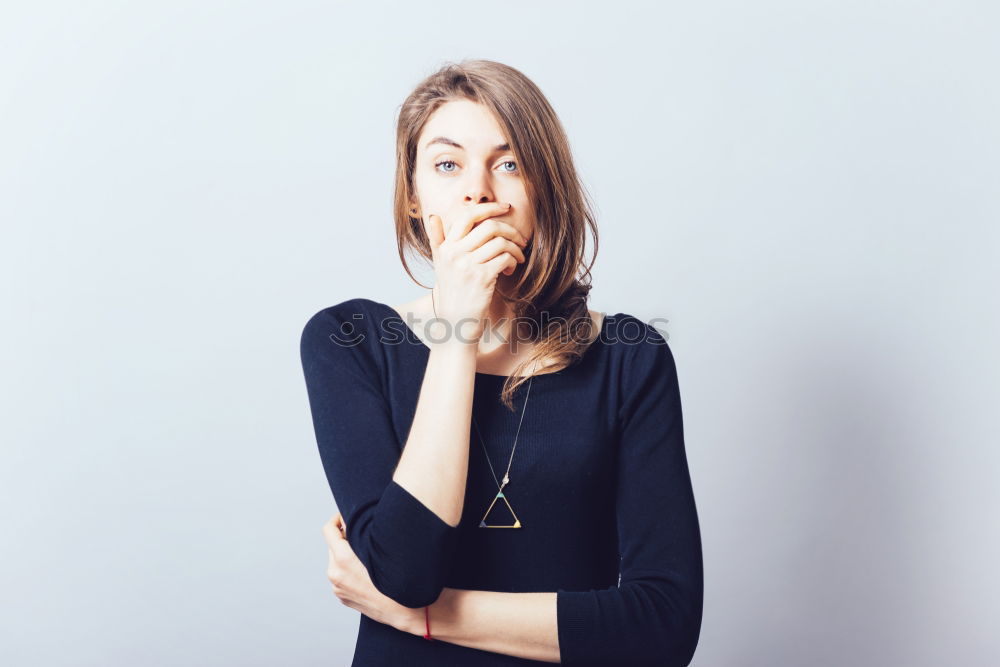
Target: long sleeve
<point x="406" y="548"/>
<point x="653" y="616"/>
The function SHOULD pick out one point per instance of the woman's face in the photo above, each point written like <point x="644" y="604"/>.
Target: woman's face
<point x="462" y="160"/>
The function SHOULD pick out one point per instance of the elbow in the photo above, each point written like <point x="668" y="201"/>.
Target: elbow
<point x="683" y="634"/>
<point x="674" y="626"/>
<point x="687" y="643"/>
<point x="412" y="575"/>
<point x="674" y="644"/>
<point x="649" y="619"/>
<point x="407" y="550"/>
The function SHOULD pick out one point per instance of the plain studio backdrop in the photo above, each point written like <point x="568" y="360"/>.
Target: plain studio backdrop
<point x="805" y="194"/>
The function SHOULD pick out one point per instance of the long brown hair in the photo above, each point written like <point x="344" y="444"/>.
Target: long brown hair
<point x="550" y="298"/>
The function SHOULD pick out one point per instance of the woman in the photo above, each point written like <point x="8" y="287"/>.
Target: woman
<point x="484" y="520"/>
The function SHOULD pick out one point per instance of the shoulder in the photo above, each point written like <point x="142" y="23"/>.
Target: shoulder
<point x="646" y="366"/>
<point x="634" y="338"/>
<point x="340" y="349"/>
<point x="359" y="314"/>
<point x="349" y="324"/>
<point x="344" y="311"/>
<point x="640" y="350"/>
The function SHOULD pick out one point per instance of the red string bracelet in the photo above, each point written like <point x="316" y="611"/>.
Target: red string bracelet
<point x="427" y="621"/>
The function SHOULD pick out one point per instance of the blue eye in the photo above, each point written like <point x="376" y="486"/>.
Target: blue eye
<point x="437" y="165"/>
<point x="447" y="171"/>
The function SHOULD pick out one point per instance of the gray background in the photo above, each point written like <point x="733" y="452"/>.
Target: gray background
<point x="806" y="190"/>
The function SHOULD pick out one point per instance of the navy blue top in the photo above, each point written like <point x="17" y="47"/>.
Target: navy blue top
<point x="599" y="482"/>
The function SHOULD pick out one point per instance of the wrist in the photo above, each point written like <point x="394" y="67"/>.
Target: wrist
<point x="456" y="350"/>
<point x="415" y="622"/>
<point x="411" y="621"/>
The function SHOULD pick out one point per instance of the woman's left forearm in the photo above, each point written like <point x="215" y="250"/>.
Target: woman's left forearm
<point x="523" y="625"/>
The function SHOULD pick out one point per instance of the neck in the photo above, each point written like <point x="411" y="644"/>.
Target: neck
<point x="500" y="312"/>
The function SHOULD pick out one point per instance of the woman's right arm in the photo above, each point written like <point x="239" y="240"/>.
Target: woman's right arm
<point x="402" y="509"/>
<point x="435" y="461"/>
<point x="467" y="259"/>
<point x="401" y="519"/>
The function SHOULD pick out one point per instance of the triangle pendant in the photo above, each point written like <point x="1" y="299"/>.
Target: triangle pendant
<point x="517" y="522"/>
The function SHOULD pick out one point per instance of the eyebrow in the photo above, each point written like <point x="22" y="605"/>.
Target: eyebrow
<point x="451" y="142"/>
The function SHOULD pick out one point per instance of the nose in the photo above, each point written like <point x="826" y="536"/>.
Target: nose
<point x="478" y="188"/>
<point x="478" y="197"/>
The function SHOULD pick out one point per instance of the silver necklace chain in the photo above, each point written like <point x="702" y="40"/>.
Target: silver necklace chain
<point x="506" y="475"/>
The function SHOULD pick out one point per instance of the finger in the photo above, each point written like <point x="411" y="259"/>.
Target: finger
<point x="475" y="213"/>
<point x="331" y="534"/>
<point x="503" y="262"/>
<point x="342" y="552"/>
<point x="338" y="560"/>
<point x="435" y="230"/>
<point x="488" y="230"/>
<point x="331" y="567"/>
<point x="495" y="246"/>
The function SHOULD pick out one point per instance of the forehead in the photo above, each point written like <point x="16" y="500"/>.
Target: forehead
<point x="469" y="123"/>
